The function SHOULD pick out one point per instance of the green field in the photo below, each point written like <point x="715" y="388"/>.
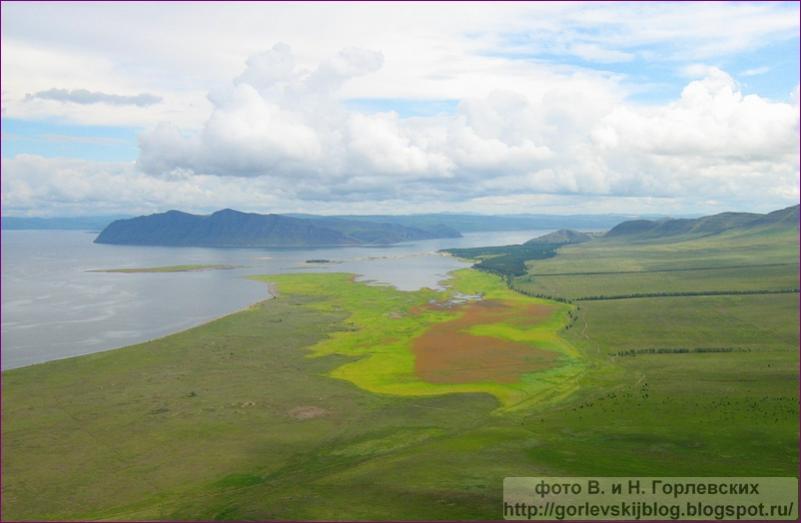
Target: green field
<point x="715" y="377"/>
<point x="749" y="278"/>
<point x="319" y="405"/>
<point x="721" y="250"/>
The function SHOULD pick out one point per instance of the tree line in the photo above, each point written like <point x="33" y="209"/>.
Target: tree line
<point x="684" y="293"/>
<point x="679" y="350"/>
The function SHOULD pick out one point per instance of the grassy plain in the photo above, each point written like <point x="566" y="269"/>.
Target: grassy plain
<point x="245" y="418"/>
<point x="311" y="405"/>
<point x="720" y="250"/>
<point x="743" y="278"/>
<point x="724" y="389"/>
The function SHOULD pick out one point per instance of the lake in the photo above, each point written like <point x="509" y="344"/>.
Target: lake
<point x="53" y="307"/>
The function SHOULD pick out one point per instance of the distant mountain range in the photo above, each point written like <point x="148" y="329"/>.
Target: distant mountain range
<point x="429" y="222"/>
<point x="707" y="225"/>
<point x="487" y="223"/>
<point x="230" y="228"/>
<point x="80" y="223"/>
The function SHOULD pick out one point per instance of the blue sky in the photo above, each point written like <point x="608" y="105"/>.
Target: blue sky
<point x="770" y="71"/>
<point x="307" y="105"/>
<point x="53" y="140"/>
<point x="780" y="63"/>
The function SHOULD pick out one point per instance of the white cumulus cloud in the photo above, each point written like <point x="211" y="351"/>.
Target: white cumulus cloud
<point x="283" y="123"/>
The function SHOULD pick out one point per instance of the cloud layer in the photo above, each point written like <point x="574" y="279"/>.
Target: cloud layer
<point x="86" y="97"/>
<point x="558" y="107"/>
<point x="285" y="124"/>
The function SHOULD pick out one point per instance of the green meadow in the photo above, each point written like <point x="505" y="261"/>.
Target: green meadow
<point x="326" y="402"/>
<point x="705" y="384"/>
<point x="742" y="278"/>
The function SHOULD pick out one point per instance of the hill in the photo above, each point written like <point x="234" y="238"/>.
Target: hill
<point x="727" y="222"/>
<point x="788" y="217"/>
<point x="562" y="236"/>
<point x="510" y="260"/>
<point x="230" y="228"/>
<point x="726" y="229"/>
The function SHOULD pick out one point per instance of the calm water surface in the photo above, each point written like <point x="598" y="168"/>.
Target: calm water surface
<point x="52" y="307"/>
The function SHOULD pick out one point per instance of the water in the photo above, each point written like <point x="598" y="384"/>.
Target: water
<point x="52" y="307"/>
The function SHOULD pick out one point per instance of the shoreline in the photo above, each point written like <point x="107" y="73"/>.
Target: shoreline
<point x="133" y="323"/>
<point x="272" y="290"/>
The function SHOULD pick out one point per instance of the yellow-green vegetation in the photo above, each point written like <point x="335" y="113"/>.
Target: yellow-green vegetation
<point x="171" y="268"/>
<point x="383" y="323"/>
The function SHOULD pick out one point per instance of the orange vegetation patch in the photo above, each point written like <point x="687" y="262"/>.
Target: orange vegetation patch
<point x="534" y="313"/>
<point x="446" y="353"/>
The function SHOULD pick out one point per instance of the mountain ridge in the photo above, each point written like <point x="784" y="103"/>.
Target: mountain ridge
<point x="706" y="225"/>
<point x="231" y="228"/>
<point x="562" y="236"/>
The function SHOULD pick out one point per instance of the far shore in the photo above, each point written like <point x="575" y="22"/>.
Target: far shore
<point x="171" y="268"/>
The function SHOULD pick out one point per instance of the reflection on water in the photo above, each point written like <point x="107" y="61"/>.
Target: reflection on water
<point x="53" y="308"/>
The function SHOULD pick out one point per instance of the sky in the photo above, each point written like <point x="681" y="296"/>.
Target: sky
<point x="334" y="107"/>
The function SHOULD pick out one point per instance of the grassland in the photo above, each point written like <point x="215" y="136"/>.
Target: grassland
<point x="736" y="279"/>
<point x="712" y="376"/>
<point x="171" y="268"/>
<point x="260" y="413"/>
<point x="721" y="250"/>
<point x="314" y="405"/>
